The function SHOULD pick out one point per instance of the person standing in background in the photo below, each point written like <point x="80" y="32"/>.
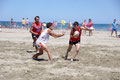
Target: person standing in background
<point x="84" y="25"/>
<point x="0" y="27"/>
<point x="114" y="27"/>
<point x="55" y="24"/>
<point x="5" y="25"/>
<point x="15" y="25"/>
<point x="27" y="23"/>
<point x="90" y="24"/>
<point x="70" y="25"/>
<point x="23" y="23"/>
<point x="11" y="23"/>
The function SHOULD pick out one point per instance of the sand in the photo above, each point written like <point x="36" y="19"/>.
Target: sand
<point x="99" y="57"/>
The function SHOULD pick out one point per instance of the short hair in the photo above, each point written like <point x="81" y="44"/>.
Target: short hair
<point x="90" y="19"/>
<point x="36" y="17"/>
<point x="76" y="23"/>
<point x="49" y="24"/>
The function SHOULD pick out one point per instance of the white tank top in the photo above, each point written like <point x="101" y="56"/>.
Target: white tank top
<point x="44" y="37"/>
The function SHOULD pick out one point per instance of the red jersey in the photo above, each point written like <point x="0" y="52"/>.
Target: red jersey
<point x="37" y="28"/>
<point x="90" y="24"/>
<point x="79" y="37"/>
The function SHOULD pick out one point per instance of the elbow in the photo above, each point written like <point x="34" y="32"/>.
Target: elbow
<point x="56" y="36"/>
<point x="30" y="31"/>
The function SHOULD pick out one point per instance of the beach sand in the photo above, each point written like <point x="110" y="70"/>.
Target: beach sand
<point x="99" y="57"/>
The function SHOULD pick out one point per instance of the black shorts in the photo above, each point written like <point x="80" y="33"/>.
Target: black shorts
<point x="75" y="42"/>
<point x="34" y="36"/>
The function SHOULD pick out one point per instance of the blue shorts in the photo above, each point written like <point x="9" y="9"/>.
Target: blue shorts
<point x="114" y="29"/>
<point x="23" y="24"/>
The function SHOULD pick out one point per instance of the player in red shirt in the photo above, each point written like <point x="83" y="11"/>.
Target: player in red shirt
<point x="75" y="39"/>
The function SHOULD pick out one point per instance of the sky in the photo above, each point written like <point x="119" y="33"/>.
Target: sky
<point x="100" y="11"/>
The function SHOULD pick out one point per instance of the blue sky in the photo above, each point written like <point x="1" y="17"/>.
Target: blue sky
<point x="100" y="11"/>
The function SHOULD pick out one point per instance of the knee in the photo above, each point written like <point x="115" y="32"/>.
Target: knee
<point x="68" y="50"/>
<point x="40" y="53"/>
<point x="77" y="50"/>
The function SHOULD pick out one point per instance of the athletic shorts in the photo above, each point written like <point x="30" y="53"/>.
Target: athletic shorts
<point x="34" y="36"/>
<point x="23" y="24"/>
<point x="39" y="44"/>
<point x="27" y="24"/>
<point x="114" y="29"/>
<point x="91" y="28"/>
<point x="75" y="42"/>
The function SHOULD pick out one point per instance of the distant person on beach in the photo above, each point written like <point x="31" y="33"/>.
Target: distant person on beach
<point x="43" y="39"/>
<point x="55" y="24"/>
<point x="70" y="25"/>
<point x="11" y="23"/>
<point x="23" y="23"/>
<point x="15" y="25"/>
<point x="36" y="29"/>
<point x="84" y="25"/>
<point x="90" y="24"/>
<point x="5" y="25"/>
<point x="114" y="27"/>
<point x="75" y="37"/>
<point x="0" y="27"/>
<point x="27" y="23"/>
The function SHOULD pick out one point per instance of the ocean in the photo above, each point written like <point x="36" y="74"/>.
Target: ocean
<point x="98" y="27"/>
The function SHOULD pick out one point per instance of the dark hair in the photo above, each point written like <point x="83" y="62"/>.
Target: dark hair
<point x="90" y="20"/>
<point x="76" y="23"/>
<point x="36" y="17"/>
<point x="49" y="24"/>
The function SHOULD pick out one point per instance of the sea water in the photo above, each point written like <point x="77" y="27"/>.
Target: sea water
<point x="98" y="27"/>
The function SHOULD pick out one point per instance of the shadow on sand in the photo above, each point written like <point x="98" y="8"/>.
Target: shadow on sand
<point x="40" y="59"/>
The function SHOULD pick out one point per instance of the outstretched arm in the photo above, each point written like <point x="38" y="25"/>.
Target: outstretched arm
<point x="56" y="35"/>
<point x="82" y="28"/>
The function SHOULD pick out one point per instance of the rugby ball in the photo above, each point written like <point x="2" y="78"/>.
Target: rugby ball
<point x="76" y="33"/>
